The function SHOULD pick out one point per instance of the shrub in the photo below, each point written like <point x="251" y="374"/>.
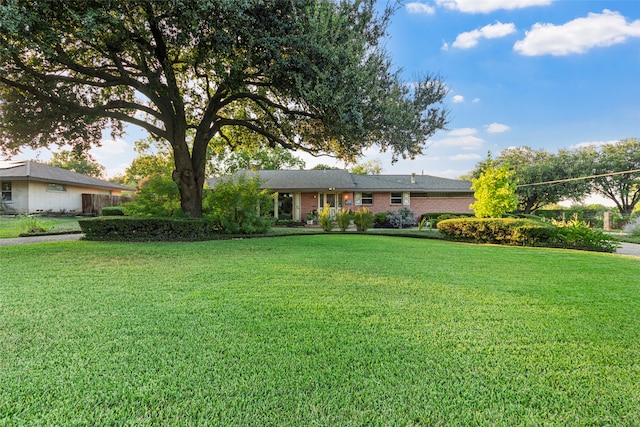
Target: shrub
<point x="434" y="217"/>
<point x="380" y="220"/>
<point x="510" y="231"/>
<point x="112" y="211"/>
<point x="363" y="219"/>
<point x="237" y="205"/>
<point x="577" y="234"/>
<point x="343" y="219"/>
<point x="513" y="231"/>
<point x="325" y="220"/>
<point x="30" y="224"/>
<point x="138" y="229"/>
<point x="403" y="217"/>
<point x="157" y="196"/>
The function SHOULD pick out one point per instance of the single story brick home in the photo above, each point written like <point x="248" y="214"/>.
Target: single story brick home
<point x="304" y="191"/>
<point x="32" y="187"/>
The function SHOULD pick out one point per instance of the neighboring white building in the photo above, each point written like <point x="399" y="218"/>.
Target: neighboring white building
<point x="31" y="187"/>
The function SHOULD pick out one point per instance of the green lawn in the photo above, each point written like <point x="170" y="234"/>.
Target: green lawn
<point x="317" y="330"/>
<point x="13" y="226"/>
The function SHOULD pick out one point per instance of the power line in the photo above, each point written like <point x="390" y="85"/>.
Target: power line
<point x="558" y="181"/>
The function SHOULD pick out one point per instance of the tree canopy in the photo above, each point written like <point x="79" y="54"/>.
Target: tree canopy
<point x="226" y="162"/>
<point x="302" y="74"/>
<point x="370" y="167"/>
<point x="539" y="166"/>
<point x="617" y="170"/>
<point x="495" y="192"/>
<point x="81" y="163"/>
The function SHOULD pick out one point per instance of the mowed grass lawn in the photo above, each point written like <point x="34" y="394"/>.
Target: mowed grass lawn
<point x="317" y="330"/>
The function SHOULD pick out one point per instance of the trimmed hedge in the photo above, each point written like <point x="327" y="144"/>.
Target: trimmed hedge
<point x="527" y="232"/>
<point x="508" y="231"/>
<point x="144" y="229"/>
<point x="112" y="211"/>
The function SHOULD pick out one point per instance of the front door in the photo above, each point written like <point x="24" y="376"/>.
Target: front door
<point x="334" y="200"/>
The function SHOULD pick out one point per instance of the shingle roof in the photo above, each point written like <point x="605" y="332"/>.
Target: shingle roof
<point x="34" y="171"/>
<point x="341" y="180"/>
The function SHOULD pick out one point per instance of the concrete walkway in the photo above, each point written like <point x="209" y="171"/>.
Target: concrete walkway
<point x="631" y="249"/>
<point x="40" y="239"/>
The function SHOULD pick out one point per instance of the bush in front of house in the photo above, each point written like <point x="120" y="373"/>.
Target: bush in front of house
<point x="343" y="219"/>
<point x="435" y="217"/>
<point x="363" y="219"/>
<point x="526" y="232"/>
<point x="142" y="229"/>
<point x="402" y="218"/>
<point x="380" y="220"/>
<point x="577" y="234"/>
<point x="325" y="220"/>
<point x="157" y="196"/>
<point x="112" y="211"/>
<point x="510" y="231"/>
<point x="238" y="205"/>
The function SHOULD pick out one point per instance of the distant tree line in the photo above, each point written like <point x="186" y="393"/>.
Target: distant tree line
<point x="544" y="178"/>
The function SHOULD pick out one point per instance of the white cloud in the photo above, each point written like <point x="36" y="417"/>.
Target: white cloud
<point x="486" y="6"/>
<point x="463" y="132"/>
<point x="475" y="100"/>
<point x="463" y="137"/>
<point x="594" y="143"/>
<point x="111" y="147"/>
<point x="469" y="156"/>
<point x="497" y="128"/>
<point x="492" y="31"/>
<point x="578" y="36"/>
<point x="420" y="8"/>
<point x="457" y="99"/>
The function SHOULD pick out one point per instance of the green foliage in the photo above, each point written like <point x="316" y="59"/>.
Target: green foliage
<point x="31" y="224"/>
<point x="238" y="205"/>
<point x="142" y="229"/>
<point x="112" y="211"/>
<point x="380" y="219"/>
<point x="370" y="167"/>
<point x="509" y="231"/>
<point x="309" y="75"/>
<point x="577" y="234"/>
<point x="83" y="163"/>
<point x="572" y="234"/>
<point x="325" y="220"/>
<point x="157" y="196"/>
<point x="537" y="166"/>
<point x="622" y="188"/>
<point x="435" y="217"/>
<point x="226" y="162"/>
<point x="495" y="192"/>
<point x="363" y="219"/>
<point x="344" y="218"/>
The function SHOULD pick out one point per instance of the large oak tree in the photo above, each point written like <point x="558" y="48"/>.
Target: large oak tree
<point x="302" y="74"/>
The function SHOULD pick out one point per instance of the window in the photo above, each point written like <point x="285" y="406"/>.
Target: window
<point x="396" y="198"/>
<point x="6" y="192"/>
<point x="56" y="187"/>
<point x="367" y="198"/>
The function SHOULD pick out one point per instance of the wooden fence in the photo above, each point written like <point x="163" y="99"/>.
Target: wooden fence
<point x="92" y="204"/>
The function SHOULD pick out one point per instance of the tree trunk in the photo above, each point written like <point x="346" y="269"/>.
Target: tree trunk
<point x="190" y="191"/>
<point x="190" y="181"/>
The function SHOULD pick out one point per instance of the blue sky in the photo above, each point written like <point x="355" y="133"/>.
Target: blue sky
<point x="543" y="73"/>
<point x="549" y="74"/>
